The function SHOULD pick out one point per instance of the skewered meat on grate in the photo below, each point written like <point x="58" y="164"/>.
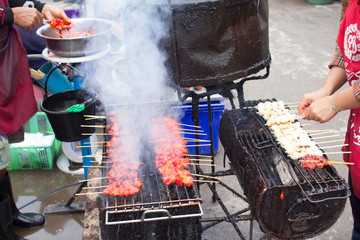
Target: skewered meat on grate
<point x="123" y="174"/>
<point x="170" y="150"/>
<point x="311" y="162"/>
<point x="289" y="133"/>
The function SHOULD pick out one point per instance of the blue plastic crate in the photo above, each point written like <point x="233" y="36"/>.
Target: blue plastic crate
<point x="217" y="109"/>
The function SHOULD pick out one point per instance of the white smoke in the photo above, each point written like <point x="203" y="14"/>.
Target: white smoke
<point x="133" y="75"/>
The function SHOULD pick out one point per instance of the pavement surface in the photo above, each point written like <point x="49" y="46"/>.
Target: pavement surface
<point x="302" y="40"/>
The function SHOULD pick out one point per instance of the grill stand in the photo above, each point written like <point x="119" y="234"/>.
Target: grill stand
<point x="225" y="91"/>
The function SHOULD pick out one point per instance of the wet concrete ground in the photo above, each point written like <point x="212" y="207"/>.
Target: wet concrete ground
<point x="302" y="39"/>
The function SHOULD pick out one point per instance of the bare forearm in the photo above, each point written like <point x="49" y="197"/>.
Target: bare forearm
<point x="346" y="99"/>
<point x="334" y="80"/>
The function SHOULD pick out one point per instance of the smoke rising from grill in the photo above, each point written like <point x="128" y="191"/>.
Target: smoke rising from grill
<point x="132" y="79"/>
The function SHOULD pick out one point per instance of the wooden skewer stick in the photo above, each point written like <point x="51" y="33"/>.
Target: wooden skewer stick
<point x="202" y="160"/>
<point x="195" y="140"/>
<point x="198" y="145"/>
<point x="201" y="164"/>
<point x="193" y="155"/>
<point x="191" y="130"/>
<point x="98" y="166"/>
<point x="99" y="134"/>
<point x="95" y="155"/>
<point x="335" y="146"/>
<point x="189" y="125"/>
<point x="93" y="179"/>
<point x="291" y="103"/>
<point x="198" y="160"/>
<point x="104" y="142"/>
<point x="205" y="176"/>
<point x="330" y="136"/>
<point x="89" y="119"/>
<point x="319" y="130"/>
<point x="90" y="193"/>
<point x="310" y="124"/>
<point x="89" y="146"/>
<point x="329" y="162"/>
<point x="339" y="140"/>
<point x="327" y="153"/>
<point x="95" y="126"/>
<point x="95" y="187"/>
<point x="321" y="133"/>
<point x="341" y="163"/>
<point x="203" y="134"/>
<point x="206" y="181"/>
<point x="56" y="32"/>
<point x="94" y="116"/>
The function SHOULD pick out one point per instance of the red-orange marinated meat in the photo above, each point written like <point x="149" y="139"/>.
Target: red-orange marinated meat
<point x="170" y="149"/>
<point x="75" y="34"/>
<point x="123" y="174"/>
<point x="59" y="24"/>
<point x="311" y="162"/>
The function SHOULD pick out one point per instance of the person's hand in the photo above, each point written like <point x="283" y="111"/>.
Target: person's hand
<point x="50" y="12"/>
<point x="309" y="98"/>
<point x="27" y="18"/>
<point x="320" y="110"/>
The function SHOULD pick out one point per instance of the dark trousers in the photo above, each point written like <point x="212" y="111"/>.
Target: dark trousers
<point x="355" y="207"/>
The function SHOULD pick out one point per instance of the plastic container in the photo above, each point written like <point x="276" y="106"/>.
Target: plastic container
<point x="67" y="126"/>
<point x="57" y="82"/>
<point x="320" y="2"/>
<point x="35" y="157"/>
<point x="217" y="109"/>
<point x="40" y="123"/>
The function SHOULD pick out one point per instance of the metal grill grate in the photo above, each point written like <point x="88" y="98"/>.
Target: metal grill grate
<point x="318" y="185"/>
<point x="155" y="201"/>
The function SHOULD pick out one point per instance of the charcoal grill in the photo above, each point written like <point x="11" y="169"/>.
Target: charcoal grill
<point x="155" y="201"/>
<point x="313" y="200"/>
<point x="214" y="44"/>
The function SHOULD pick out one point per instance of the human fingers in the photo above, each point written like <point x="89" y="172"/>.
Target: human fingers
<point x="26" y="18"/>
<point x="304" y="103"/>
<point x="39" y="18"/>
<point x="64" y="17"/>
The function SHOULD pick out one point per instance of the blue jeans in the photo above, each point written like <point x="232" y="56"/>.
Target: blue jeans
<point x="355" y="235"/>
<point x="355" y="208"/>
